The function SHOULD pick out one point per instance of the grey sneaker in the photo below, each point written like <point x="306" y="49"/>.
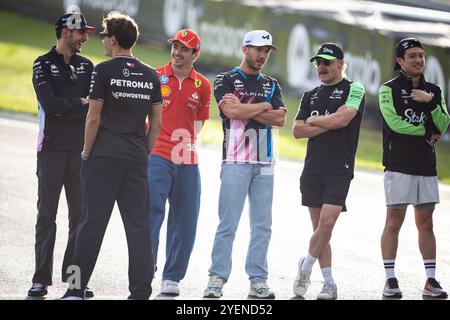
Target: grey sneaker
<point x="328" y="292"/>
<point x="391" y="289"/>
<point x="170" y="288"/>
<point x="301" y="283"/>
<point x="214" y="289"/>
<point x="261" y="291"/>
<point x="433" y="289"/>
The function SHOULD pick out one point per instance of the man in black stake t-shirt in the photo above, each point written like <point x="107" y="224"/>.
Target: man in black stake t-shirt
<point x="330" y="116"/>
<point x="124" y="91"/>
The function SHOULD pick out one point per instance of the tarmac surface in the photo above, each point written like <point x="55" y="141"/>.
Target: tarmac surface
<point x="357" y="263"/>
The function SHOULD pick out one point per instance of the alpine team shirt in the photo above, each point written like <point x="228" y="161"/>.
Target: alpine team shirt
<point x="128" y="89"/>
<point x="186" y="105"/>
<point x="332" y="152"/>
<point x="59" y="87"/>
<point x="247" y="141"/>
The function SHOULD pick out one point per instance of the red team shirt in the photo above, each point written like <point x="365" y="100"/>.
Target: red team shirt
<point x="185" y="105"/>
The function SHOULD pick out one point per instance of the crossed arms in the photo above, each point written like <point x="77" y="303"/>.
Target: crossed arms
<point x="315" y="125"/>
<point x="261" y="112"/>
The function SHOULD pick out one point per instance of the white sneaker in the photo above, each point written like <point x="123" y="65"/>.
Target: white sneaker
<point x="73" y="298"/>
<point x="170" y="287"/>
<point x="214" y="289"/>
<point x="328" y="292"/>
<point x="302" y="281"/>
<point x="261" y="290"/>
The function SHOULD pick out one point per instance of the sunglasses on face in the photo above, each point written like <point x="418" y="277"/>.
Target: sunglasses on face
<point x="72" y="73"/>
<point x="318" y="62"/>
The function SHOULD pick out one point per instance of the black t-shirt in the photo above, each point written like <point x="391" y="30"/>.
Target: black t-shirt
<point x="128" y="89"/>
<point x="332" y="152"/>
<point x="247" y="141"/>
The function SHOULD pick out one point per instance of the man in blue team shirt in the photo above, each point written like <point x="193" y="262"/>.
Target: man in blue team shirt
<point x="250" y="103"/>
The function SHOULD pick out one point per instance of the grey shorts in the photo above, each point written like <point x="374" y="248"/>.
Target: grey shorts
<point x="403" y="189"/>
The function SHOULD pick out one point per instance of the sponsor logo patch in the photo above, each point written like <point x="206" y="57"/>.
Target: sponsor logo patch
<point x="164" y="79"/>
<point x="165" y="91"/>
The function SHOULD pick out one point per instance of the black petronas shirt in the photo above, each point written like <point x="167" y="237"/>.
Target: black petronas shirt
<point x="128" y="89"/>
<point x="59" y="87"/>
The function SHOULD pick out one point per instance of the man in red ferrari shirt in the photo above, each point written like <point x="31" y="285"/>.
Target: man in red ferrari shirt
<point x="172" y="168"/>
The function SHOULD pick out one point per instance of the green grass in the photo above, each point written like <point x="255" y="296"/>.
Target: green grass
<point x="20" y="47"/>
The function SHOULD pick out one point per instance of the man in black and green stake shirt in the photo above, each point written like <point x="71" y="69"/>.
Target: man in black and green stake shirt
<point x="414" y="116"/>
<point x="330" y="116"/>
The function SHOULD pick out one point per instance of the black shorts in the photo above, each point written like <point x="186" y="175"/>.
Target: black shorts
<point x="317" y="190"/>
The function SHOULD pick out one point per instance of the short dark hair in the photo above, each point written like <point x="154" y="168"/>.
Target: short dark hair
<point x="123" y="27"/>
<point x="402" y="46"/>
<point x="58" y="33"/>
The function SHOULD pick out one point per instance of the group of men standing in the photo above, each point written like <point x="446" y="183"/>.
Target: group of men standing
<point x="140" y="126"/>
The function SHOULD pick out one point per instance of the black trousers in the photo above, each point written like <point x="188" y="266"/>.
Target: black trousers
<point x="105" y="180"/>
<point x="55" y="170"/>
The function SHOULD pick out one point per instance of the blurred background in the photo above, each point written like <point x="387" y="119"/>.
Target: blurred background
<point x="367" y="30"/>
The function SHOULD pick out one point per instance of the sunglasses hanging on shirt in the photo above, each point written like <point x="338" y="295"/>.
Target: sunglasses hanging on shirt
<point x="72" y="73"/>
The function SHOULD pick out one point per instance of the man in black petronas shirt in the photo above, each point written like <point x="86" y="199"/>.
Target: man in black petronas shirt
<point x="124" y="91"/>
<point x="330" y="116"/>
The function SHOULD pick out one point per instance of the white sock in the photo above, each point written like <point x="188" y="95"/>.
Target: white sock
<point x="389" y="268"/>
<point x="308" y="263"/>
<point x="327" y="275"/>
<point x="430" y="268"/>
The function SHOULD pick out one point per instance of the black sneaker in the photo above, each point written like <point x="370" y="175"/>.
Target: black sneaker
<point x="433" y="289"/>
<point x="72" y="294"/>
<point x="391" y="289"/>
<point x="88" y="293"/>
<point x="37" y="290"/>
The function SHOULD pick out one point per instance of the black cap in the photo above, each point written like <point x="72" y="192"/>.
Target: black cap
<point x="74" y="21"/>
<point x="404" y="45"/>
<point x="329" y="51"/>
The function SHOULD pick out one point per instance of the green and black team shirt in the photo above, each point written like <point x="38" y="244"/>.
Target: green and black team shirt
<point x="408" y="125"/>
<point x="128" y="89"/>
<point x="332" y="152"/>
